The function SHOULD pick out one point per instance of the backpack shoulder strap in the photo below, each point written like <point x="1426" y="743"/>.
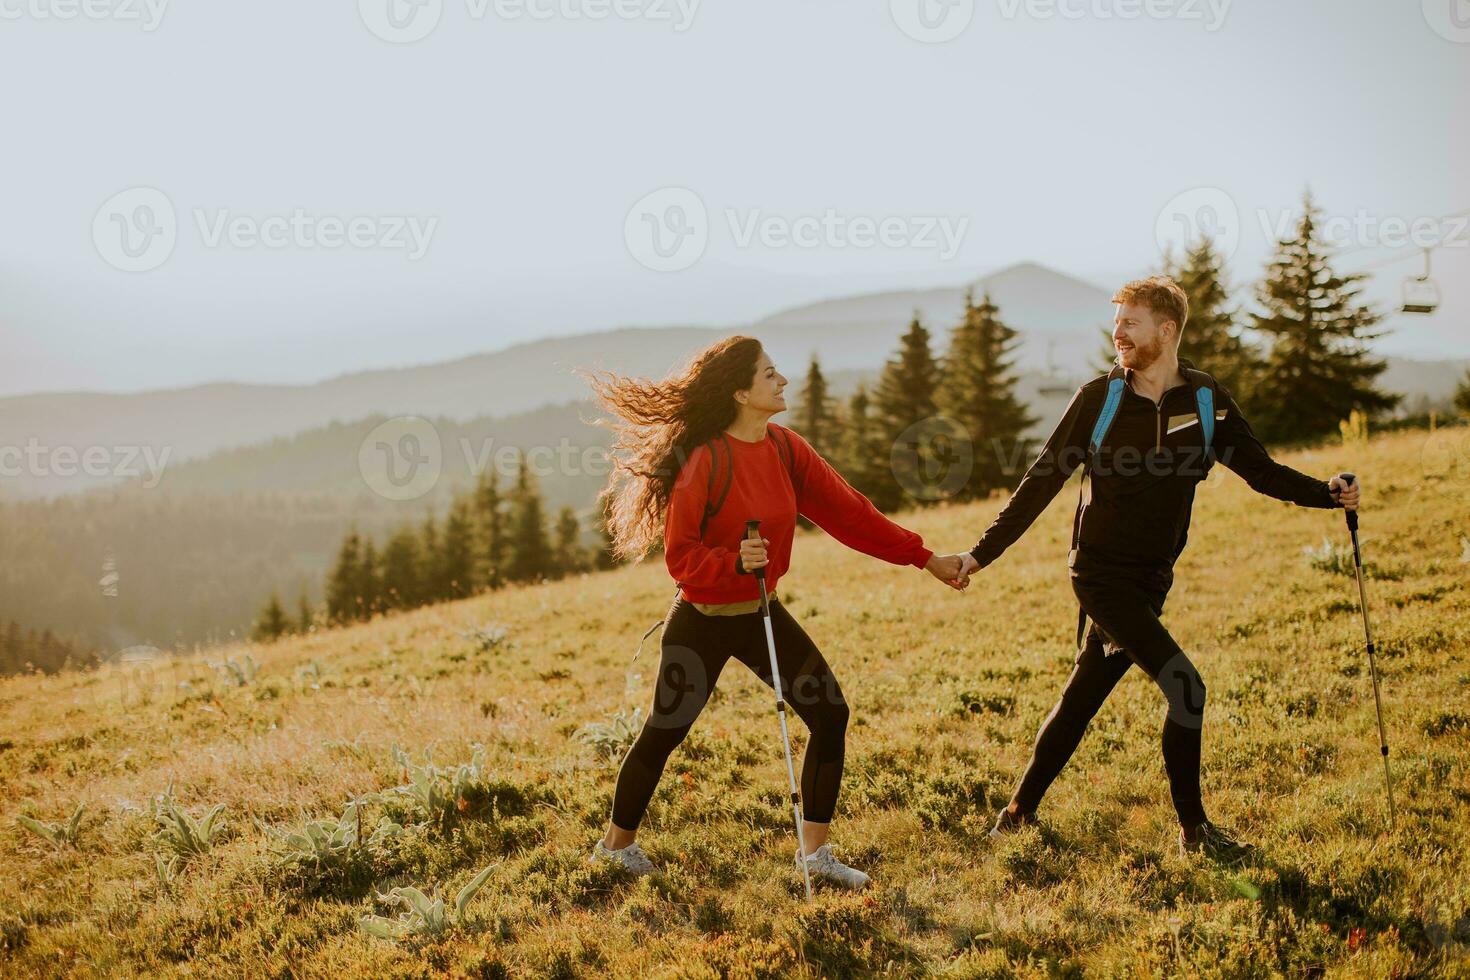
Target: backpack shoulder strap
<point x="1111" y="401"/>
<point x="783" y="449"/>
<point x="1204" y="402"/>
<point x="713" y="501"/>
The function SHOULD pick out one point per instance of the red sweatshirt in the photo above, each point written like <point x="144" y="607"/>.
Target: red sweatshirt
<point x="762" y="489"/>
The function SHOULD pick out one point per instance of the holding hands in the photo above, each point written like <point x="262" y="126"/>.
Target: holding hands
<point x="953" y="570"/>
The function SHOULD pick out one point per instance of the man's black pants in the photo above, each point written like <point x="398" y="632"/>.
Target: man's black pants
<point x="1124" y="604"/>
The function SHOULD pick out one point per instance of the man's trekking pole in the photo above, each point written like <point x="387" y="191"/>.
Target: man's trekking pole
<point x="752" y="530"/>
<point x="1352" y="523"/>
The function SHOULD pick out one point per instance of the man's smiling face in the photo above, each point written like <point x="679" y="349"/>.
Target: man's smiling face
<point x="1138" y="337"/>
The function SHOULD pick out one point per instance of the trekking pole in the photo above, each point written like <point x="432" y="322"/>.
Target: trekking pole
<point x="1352" y="523"/>
<point x="752" y="530"/>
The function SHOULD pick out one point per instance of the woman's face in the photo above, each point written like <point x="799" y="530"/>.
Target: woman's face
<point x="766" y="391"/>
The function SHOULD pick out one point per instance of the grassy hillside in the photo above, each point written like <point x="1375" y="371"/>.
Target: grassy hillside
<point x="947" y="692"/>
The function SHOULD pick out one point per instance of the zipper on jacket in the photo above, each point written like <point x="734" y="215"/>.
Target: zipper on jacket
<point x="1159" y="429"/>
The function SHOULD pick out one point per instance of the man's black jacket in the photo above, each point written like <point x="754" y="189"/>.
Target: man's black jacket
<point x="1140" y="486"/>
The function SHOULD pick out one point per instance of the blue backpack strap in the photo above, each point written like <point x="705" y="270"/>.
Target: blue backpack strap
<point x="1204" y="400"/>
<point x="1105" y="417"/>
<point x="1204" y="403"/>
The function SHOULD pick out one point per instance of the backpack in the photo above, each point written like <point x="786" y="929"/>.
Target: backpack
<point x="1204" y="402"/>
<point x="714" y="502"/>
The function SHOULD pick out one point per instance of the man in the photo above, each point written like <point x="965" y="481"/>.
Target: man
<point x="1130" y="527"/>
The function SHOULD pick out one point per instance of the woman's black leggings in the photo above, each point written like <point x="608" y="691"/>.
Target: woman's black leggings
<point x="1124" y="607"/>
<point x="695" y="649"/>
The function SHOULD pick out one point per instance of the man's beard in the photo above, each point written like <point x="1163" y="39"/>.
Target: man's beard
<point x="1144" y="355"/>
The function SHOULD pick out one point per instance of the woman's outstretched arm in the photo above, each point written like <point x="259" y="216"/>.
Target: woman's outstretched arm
<point x="831" y="503"/>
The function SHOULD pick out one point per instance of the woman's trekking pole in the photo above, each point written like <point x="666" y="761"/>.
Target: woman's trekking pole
<point x="1352" y="523"/>
<point x="752" y="530"/>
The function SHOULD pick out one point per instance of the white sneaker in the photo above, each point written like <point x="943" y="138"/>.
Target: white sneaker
<point x="630" y="857"/>
<point x="822" y="864"/>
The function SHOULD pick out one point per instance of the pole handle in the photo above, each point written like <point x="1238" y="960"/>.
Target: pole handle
<point x="1352" y="515"/>
<point x="753" y="533"/>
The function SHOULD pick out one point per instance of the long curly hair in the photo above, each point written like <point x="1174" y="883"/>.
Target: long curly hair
<point x="656" y="426"/>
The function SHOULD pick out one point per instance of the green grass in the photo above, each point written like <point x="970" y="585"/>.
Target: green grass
<point x="946" y="692"/>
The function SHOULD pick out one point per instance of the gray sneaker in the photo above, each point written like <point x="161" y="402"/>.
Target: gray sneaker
<point x="631" y="857"/>
<point x="1216" y="843"/>
<point x="822" y="864"/>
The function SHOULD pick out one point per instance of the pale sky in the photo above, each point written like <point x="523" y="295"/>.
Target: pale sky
<point x="516" y="138"/>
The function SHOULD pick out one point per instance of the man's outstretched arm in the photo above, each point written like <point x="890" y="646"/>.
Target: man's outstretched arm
<point x="1238" y="448"/>
<point x="1064" y="451"/>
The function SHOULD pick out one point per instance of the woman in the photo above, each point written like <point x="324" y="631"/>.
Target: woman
<point x="696" y="458"/>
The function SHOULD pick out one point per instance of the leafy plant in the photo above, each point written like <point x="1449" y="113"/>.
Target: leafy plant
<point x="423" y="916"/>
<point x="166" y="870"/>
<point x="612" y="738"/>
<point x="986" y="702"/>
<point x="435" y="791"/>
<point x="241" y="672"/>
<point x="324" y="843"/>
<point x="59" y="834"/>
<point x="486" y="638"/>
<point x="1330" y="557"/>
<point x="181" y="833"/>
<point x="309" y="676"/>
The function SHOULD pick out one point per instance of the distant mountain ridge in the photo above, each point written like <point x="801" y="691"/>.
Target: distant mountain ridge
<point x="1059" y="318"/>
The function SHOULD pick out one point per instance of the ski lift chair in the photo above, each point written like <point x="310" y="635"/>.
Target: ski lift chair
<point x="1420" y="293"/>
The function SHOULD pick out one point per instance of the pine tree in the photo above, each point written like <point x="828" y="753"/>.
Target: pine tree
<point x="1212" y="337"/>
<point x="815" y="418"/>
<point x="491" y="541"/>
<point x="31" y="651"/>
<point x="1462" y="395"/>
<point x="272" y="623"/>
<point x="863" y="459"/>
<point x="603" y="556"/>
<point x="305" y="618"/>
<point x="979" y="393"/>
<point x="905" y="397"/>
<point x="12" y="650"/>
<point x="1107" y="351"/>
<point x="1319" y="367"/>
<point x="343" y="582"/>
<point x="529" y="550"/>
<point x="432" y="586"/>
<point x="48" y="653"/>
<point x="369" y="582"/>
<point x="403" y="570"/>
<point x="570" y="558"/>
<point x="457" y="560"/>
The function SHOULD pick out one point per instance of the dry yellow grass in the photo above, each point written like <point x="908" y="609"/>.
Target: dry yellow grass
<point x="946" y="691"/>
